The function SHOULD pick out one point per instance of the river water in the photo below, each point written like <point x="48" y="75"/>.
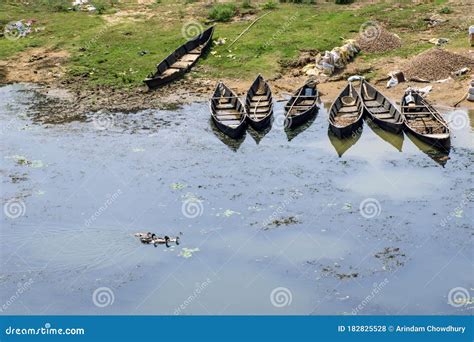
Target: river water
<point x="281" y="223"/>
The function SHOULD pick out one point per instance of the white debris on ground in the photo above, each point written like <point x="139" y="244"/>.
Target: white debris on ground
<point x="83" y="5"/>
<point x="330" y="61"/>
<point x="470" y="95"/>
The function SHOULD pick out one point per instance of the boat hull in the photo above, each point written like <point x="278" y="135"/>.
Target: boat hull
<point x="260" y="125"/>
<point x="298" y="120"/>
<point x="232" y="132"/>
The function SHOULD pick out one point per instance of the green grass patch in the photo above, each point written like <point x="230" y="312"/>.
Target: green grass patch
<point x="110" y="55"/>
<point x="222" y="12"/>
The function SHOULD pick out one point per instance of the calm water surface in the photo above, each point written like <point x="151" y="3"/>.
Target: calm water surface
<point x="283" y="223"/>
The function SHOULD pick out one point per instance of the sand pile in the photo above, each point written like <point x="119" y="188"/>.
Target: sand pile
<point x="435" y="64"/>
<point x="378" y="40"/>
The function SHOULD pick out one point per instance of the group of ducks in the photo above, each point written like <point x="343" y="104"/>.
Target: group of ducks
<point x="152" y="239"/>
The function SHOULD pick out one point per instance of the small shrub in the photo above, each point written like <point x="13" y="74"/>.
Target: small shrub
<point x="57" y="5"/>
<point x="445" y="10"/>
<point x="343" y="2"/>
<point x="270" y="5"/>
<point x="222" y="12"/>
<point x="100" y="6"/>
<point x="247" y="4"/>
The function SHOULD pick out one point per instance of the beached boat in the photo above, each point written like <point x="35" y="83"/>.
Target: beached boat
<point x="345" y="115"/>
<point x="302" y="105"/>
<point x="259" y="104"/>
<point x="181" y="60"/>
<point x="379" y="109"/>
<point x="423" y="121"/>
<point x="228" y="111"/>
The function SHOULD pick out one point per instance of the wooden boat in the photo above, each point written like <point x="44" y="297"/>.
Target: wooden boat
<point x="345" y="115"/>
<point x="259" y="104"/>
<point x="379" y="109"/>
<point x="302" y="105"/>
<point x="423" y="121"/>
<point x="181" y="60"/>
<point x="227" y="111"/>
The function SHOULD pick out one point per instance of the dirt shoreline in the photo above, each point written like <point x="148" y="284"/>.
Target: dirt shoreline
<point x="64" y="100"/>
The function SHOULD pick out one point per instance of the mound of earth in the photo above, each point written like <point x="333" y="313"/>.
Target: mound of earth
<point x="377" y="39"/>
<point x="435" y="64"/>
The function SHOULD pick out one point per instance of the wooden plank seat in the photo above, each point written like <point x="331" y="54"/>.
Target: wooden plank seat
<point x="259" y="103"/>
<point x="384" y="116"/>
<point x="348" y="109"/>
<point x="225" y="105"/>
<point x="258" y="109"/>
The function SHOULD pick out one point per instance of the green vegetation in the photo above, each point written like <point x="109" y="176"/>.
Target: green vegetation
<point x="343" y="2"/>
<point x="222" y="12"/>
<point x="108" y="53"/>
<point x="269" y="5"/>
<point x="445" y="10"/>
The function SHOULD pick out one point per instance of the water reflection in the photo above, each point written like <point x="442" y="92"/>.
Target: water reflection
<point x="439" y="156"/>
<point x="258" y="135"/>
<point x="233" y="144"/>
<point x="292" y="133"/>
<point x="396" y="140"/>
<point x="342" y="145"/>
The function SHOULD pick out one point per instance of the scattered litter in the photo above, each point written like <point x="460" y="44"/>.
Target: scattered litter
<point x="19" y="29"/>
<point x="423" y="91"/>
<point x="188" y="252"/>
<point x="444" y="81"/>
<point x="220" y="41"/>
<point x="337" y="58"/>
<point x="435" y="20"/>
<point x="177" y="186"/>
<point x="439" y="41"/>
<point x="83" y="5"/>
<point x="435" y="64"/>
<point x="395" y="78"/>
<point x="470" y="94"/>
<point x="461" y="72"/>
<point x="383" y="42"/>
<point x="143" y="52"/>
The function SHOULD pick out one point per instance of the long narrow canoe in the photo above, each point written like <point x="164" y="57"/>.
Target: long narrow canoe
<point x="228" y="111"/>
<point x="301" y="106"/>
<point x="345" y="115"/>
<point x="423" y="121"/>
<point x="181" y="60"/>
<point x="259" y="104"/>
<point x="379" y="109"/>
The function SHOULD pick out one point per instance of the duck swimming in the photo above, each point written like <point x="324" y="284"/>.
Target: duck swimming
<point x="152" y="238"/>
<point x="164" y="240"/>
<point x="145" y="237"/>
